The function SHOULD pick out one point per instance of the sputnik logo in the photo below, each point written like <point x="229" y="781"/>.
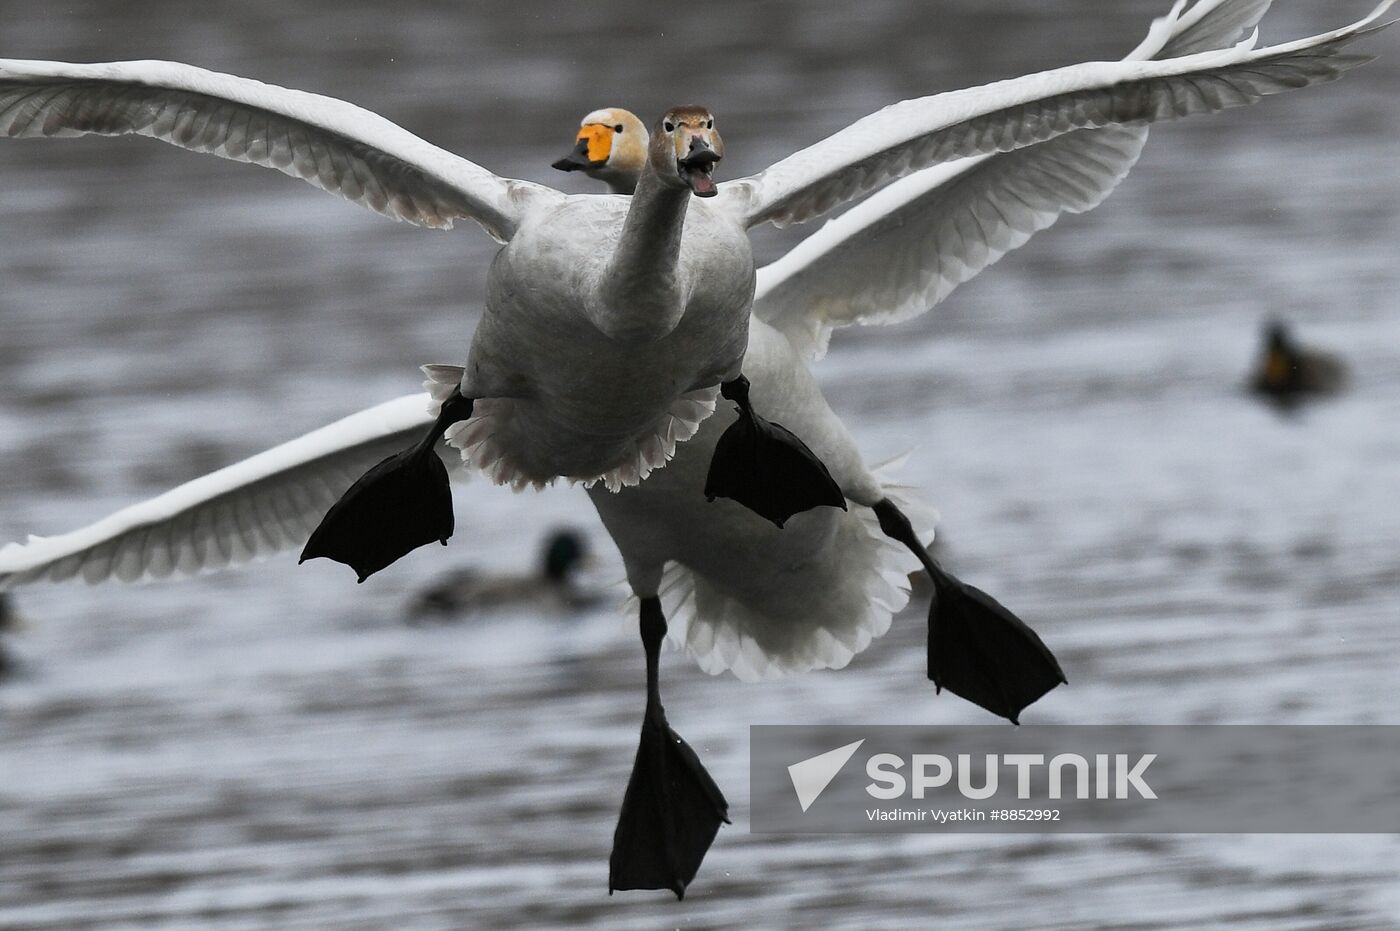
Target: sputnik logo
<point x="811" y="777"/>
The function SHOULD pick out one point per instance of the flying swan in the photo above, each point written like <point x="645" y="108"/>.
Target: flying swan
<point x="658" y="289"/>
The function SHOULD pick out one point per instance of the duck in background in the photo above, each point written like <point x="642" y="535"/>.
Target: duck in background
<point x="553" y="589"/>
<point x="10" y="621"/>
<point x="1288" y="373"/>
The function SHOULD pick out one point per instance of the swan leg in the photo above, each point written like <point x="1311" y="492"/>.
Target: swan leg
<point x="672" y="809"/>
<point x="976" y="648"/>
<point x="399" y="505"/>
<point x="765" y="467"/>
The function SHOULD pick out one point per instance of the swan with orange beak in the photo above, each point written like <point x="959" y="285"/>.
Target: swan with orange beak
<point x="611" y="146"/>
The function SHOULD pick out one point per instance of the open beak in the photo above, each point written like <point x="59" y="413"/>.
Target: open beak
<point x="696" y="168"/>
<point x="578" y="159"/>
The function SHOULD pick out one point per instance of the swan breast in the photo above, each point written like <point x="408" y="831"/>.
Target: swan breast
<point x="582" y="394"/>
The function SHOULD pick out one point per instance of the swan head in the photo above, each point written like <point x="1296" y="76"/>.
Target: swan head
<point x="611" y="146"/>
<point x="685" y="147"/>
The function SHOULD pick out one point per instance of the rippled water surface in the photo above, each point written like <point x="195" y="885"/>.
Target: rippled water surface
<point x="276" y="748"/>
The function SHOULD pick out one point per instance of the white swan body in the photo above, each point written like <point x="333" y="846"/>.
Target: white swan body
<point x="741" y="594"/>
<point x="594" y="390"/>
<point x="938" y="228"/>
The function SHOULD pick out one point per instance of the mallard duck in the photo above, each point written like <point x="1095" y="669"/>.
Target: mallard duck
<point x="1288" y="374"/>
<point x="553" y="588"/>
<point x="10" y="621"/>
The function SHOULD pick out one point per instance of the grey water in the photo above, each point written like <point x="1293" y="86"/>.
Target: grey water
<point x="275" y="747"/>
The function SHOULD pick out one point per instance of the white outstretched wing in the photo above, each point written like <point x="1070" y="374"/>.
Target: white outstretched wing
<point x="1008" y="115"/>
<point x="260" y="506"/>
<point x="337" y="146"/>
<point x="909" y="246"/>
<point x="906" y="248"/>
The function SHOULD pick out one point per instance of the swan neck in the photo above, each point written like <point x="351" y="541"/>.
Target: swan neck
<point x="651" y="235"/>
<point x="641" y="290"/>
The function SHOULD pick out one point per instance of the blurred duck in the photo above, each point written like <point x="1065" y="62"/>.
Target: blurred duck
<point x="1288" y="373"/>
<point x="9" y="621"/>
<point x="742" y="592"/>
<point x="553" y="589"/>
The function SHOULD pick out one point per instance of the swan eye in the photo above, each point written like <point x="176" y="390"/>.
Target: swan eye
<point x="617" y="128"/>
<point x="669" y="126"/>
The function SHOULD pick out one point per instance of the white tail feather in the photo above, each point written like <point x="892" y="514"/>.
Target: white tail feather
<point x="825" y="612"/>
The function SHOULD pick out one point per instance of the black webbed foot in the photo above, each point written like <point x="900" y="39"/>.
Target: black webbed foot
<point x="399" y="505"/>
<point x="765" y="467"/>
<point x="672" y="809"/>
<point x="977" y="649"/>
<point x="670" y="814"/>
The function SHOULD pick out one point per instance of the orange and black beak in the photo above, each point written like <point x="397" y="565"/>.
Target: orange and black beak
<point x="591" y="150"/>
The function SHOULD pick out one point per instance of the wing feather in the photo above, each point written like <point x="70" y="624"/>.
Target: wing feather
<point x="254" y="508"/>
<point x="908" y="247"/>
<point x="334" y="145"/>
<point x="1007" y="115"/>
<point x="1213" y="24"/>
